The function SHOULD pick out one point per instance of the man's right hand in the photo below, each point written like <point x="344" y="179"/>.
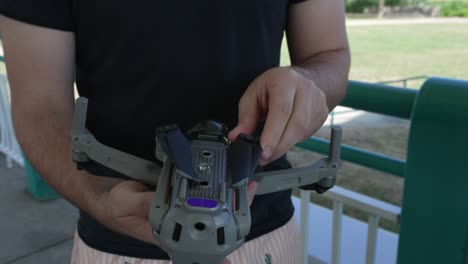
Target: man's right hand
<point x="41" y="71"/>
<point x="125" y="209"/>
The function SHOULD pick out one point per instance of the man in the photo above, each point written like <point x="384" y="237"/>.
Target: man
<point x="143" y="64"/>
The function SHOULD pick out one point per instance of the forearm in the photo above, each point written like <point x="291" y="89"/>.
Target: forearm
<point x="43" y="130"/>
<point x="40" y="63"/>
<point x="329" y="71"/>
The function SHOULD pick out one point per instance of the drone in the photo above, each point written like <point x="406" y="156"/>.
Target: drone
<point x="200" y="211"/>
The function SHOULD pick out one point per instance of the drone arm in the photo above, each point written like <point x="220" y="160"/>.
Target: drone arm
<point x="159" y="205"/>
<point x="242" y="214"/>
<point x="85" y="147"/>
<point x="319" y="176"/>
<point x="275" y="181"/>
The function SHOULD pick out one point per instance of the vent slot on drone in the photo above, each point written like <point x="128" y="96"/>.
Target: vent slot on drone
<point x="220" y="235"/>
<point x="235" y="200"/>
<point x="177" y="232"/>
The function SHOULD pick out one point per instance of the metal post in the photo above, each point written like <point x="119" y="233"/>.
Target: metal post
<point x="332" y="118"/>
<point x="372" y="230"/>
<point x="336" y="241"/>
<point x="305" y="200"/>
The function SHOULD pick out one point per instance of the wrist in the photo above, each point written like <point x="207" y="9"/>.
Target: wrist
<point x="88" y="192"/>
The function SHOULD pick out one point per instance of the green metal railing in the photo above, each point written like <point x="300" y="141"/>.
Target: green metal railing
<point x="359" y="156"/>
<point x="377" y="98"/>
<point x="404" y="84"/>
<point x="434" y="222"/>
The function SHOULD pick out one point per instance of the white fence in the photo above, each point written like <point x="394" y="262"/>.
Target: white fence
<point x="8" y="144"/>
<point x="375" y="209"/>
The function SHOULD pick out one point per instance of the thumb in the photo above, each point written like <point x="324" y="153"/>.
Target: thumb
<point x="249" y="115"/>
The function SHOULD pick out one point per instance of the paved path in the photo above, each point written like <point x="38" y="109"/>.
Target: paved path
<point x="406" y="21"/>
<point x="32" y="232"/>
<point x="349" y="118"/>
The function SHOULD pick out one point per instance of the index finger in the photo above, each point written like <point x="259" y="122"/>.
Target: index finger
<point x="280" y="107"/>
<point x="249" y="114"/>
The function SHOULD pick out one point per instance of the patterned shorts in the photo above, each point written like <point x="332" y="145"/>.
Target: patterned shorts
<point x="279" y="246"/>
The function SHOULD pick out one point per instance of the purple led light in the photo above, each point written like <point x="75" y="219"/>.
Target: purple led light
<point x="204" y="203"/>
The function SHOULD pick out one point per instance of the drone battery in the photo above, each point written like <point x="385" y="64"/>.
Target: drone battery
<point x="200" y="224"/>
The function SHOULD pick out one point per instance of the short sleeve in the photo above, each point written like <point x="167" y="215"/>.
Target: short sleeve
<point x="56" y="14"/>
<point x="290" y="1"/>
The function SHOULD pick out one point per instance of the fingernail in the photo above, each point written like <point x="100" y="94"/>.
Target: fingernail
<point x="252" y="185"/>
<point x="266" y="154"/>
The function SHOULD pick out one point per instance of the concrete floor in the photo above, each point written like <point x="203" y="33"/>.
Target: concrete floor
<point x="32" y="231"/>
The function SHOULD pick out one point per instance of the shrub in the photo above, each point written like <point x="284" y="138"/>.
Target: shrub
<point x="358" y="6"/>
<point x="454" y="9"/>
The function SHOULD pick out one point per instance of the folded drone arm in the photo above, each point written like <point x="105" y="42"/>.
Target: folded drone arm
<point x="86" y="148"/>
<point x="319" y="176"/>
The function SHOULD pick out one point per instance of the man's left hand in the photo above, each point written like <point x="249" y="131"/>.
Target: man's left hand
<point x="293" y="107"/>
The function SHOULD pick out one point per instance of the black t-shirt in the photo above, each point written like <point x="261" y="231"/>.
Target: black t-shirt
<point x="142" y="64"/>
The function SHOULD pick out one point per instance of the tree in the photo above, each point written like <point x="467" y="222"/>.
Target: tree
<point x="381" y="8"/>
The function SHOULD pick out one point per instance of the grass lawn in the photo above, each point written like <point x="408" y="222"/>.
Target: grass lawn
<point x="387" y="140"/>
<point x="389" y="52"/>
